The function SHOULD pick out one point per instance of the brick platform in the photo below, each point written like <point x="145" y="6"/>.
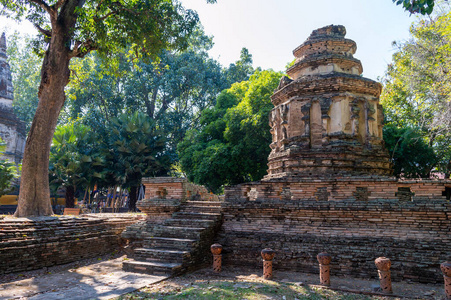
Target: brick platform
<point x="182" y="221"/>
<point x="176" y="188"/>
<point x="28" y="244"/>
<point x="176" y="244"/>
<point x="355" y="220"/>
<point x="329" y="185"/>
<point x="341" y="188"/>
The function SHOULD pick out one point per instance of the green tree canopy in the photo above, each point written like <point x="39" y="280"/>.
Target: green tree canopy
<point x="107" y="25"/>
<point x="135" y="148"/>
<point x="232" y="145"/>
<point x="75" y="161"/>
<point x="241" y="70"/>
<point x="412" y="157"/>
<point x="172" y="90"/>
<point x="73" y="28"/>
<point x="417" y="87"/>
<point x="8" y="172"/>
<point x="424" y="7"/>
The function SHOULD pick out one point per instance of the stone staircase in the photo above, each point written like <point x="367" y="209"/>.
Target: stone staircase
<point x="178" y="244"/>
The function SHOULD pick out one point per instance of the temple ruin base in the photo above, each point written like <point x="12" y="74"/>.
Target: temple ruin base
<point x="355" y="220"/>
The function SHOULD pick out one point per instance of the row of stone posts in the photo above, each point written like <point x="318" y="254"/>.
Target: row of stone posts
<point x="383" y="265"/>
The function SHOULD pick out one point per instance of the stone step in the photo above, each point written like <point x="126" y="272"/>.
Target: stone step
<point x="178" y="232"/>
<point x="166" y="242"/>
<point x="196" y="215"/>
<point x="201" y="209"/>
<point x="175" y="246"/>
<point x="156" y="268"/>
<point x="189" y="223"/>
<point x="162" y="255"/>
<point x="204" y="203"/>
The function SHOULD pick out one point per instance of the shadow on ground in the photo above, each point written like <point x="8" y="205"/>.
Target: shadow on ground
<point x="103" y="280"/>
<point x="247" y="283"/>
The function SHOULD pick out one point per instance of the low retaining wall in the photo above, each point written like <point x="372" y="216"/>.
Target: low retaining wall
<point x="415" y="235"/>
<point x="28" y="244"/>
<point x="354" y="188"/>
<point x="176" y="188"/>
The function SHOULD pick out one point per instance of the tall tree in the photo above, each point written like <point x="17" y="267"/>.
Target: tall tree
<point x="172" y="91"/>
<point x="241" y="70"/>
<point x="417" y="91"/>
<point x="412" y="157"/>
<point x="73" y="28"/>
<point x="424" y="7"/>
<point x="232" y="145"/>
<point x="75" y="159"/>
<point x="136" y="148"/>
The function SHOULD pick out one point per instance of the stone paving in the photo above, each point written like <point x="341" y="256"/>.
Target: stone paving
<point x="103" y="280"/>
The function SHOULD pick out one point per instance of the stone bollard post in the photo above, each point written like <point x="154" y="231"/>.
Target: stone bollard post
<point x="383" y="265"/>
<point x="446" y="269"/>
<point x="268" y="255"/>
<point x="216" y="250"/>
<point x="324" y="260"/>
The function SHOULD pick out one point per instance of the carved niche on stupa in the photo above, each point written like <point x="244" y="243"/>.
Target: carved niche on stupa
<point x="327" y="120"/>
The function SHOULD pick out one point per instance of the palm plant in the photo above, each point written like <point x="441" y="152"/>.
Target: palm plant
<point x="75" y="161"/>
<point x="137" y="148"/>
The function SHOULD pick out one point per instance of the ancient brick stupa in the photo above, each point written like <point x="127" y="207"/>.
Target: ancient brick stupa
<point x="327" y="120"/>
<point x="326" y="130"/>
<point x="329" y="186"/>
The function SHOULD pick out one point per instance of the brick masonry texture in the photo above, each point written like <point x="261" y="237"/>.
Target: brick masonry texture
<point x="176" y="188"/>
<point x="165" y="195"/>
<point x="28" y="244"/>
<point x="328" y="187"/>
<point x="415" y="235"/>
<point x="327" y="118"/>
<point x="343" y="188"/>
<point x="182" y="221"/>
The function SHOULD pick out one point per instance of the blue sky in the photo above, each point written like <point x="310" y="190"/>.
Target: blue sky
<point x="271" y="29"/>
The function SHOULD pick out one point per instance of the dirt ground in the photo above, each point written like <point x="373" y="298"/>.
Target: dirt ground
<point x="101" y="278"/>
<point x="251" y="279"/>
<point x="56" y="269"/>
<point x="243" y="278"/>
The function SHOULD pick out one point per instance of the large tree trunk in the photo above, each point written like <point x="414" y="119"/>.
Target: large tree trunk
<point x="34" y="196"/>
<point x="133" y="198"/>
<point x="70" y="196"/>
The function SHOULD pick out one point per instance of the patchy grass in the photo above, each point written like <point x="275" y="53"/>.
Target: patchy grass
<point x="232" y="289"/>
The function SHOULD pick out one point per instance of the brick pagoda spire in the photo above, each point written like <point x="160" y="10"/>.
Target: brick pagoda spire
<point x="327" y="120"/>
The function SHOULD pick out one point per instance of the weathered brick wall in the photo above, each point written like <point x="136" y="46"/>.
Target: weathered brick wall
<point x="415" y="235"/>
<point x="28" y="244"/>
<point x="355" y="188"/>
<point x="176" y="188"/>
